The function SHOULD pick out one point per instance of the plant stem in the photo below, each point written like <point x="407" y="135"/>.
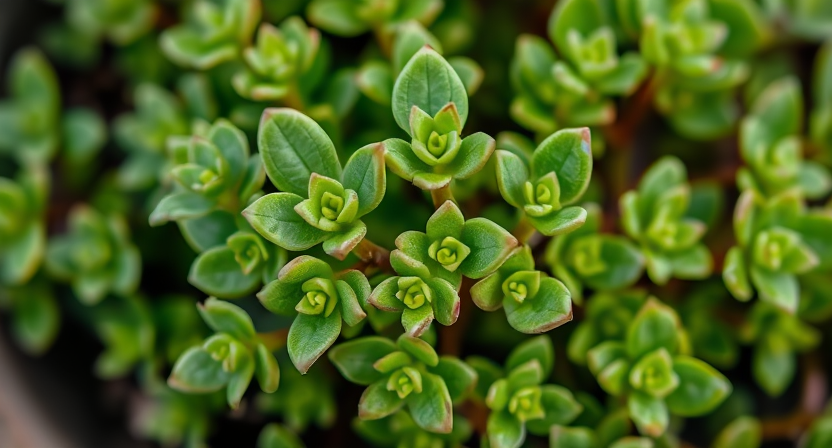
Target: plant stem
<point x="294" y="99"/>
<point x="274" y="340"/>
<point x="441" y="195"/>
<point x="524" y="230"/>
<point x="371" y="252"/>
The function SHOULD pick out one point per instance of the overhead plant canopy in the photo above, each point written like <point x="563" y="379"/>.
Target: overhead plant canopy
<point x="428" y="223"/>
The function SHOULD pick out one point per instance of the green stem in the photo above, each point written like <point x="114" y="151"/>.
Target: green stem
<point x="294" y="99"/>
<point x="441" y="195"/>
<point x="524" y="230"/>
<point x="370" y="252"/>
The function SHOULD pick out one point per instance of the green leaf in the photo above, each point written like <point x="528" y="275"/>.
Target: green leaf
<point x="572" y="437"/>
<point x="19" y="259"/>
<point x="197" y="372"/>
<point x="340" y="244"/>
<point x="780" y="108"/>
<point x="419" y="349"/>
<point x="274" y="217"/>
<point x="490" y="245"/>
<point x="217" y="273"/>
<point x="567" y="153"/>
<point x="473" y="154"/>
<point x="649" y="414"/>
<point x="701" y="388"/>
<point x="350" y="307"/>
<point x="446" y="301"/>
<point x="560" y="406"/>
<point x="400" y="158"/>
<point x="573" y="15"/>
<point x="336" y="16"/>
<point x="778" y="288"/>
<point x="773" y="365"/>
<point x="410" y="38"/>
<point x="735" y="275"/>
<point x="364" y="173"/>
<point x="355" y="359"/>
<point x="655" y="326"/>
<point x="266" y="369"/>
<point x="208" y="231"/>
<point x="743" y="432"/>
<point x="539" y="348"/>
<point x="225" y="317"/>
<point x="185" y="205"/>
<point x="458" y="376"/>
<point x="428" y="82"/>
<point x="416" y="321"/>
<point x="233" y="146"/>
<point x="505" y="430"/>
<point x="432" y="409"/>
<point x="487" y="293"/>
<point x="310" y="336"/>
<point x="550" y="308"/>
<point x="560" y="222"/>
<point x="377" y="402"/>
<point x="512" y="175"/>
<point x="293" y="147"/>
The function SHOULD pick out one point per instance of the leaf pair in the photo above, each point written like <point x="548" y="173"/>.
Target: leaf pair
<point x="519" y="401"/>
<point x="556" y="175"/>
<point x="601" y="262"/>
<point x="228" y="359"/>
<point x="655" y="215"/>
<point x="657" y="381"/>
<point x="216" y="33"/>
<point x="771" y="250"/>
<point x="95" y="256"/>
<point x="406" y="373"/>
<point x="300" y="159"/>
<point x="307" y="287"/>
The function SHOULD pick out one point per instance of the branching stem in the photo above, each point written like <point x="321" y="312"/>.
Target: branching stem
<point x="441" y="195"/>
<point x="372" y="253"/>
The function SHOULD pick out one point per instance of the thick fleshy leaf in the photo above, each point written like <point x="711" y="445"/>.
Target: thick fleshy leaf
<point x="274" y="217"/>
<point x="225" y="317"/>
<point x="377" y="402"/>
<point x="778" y="288"/>
<point x="743" y="432"/>
<point x="364" y="173"/>
<point x="490" y="245"/>
<point x="487" y="293"/>
<point x="350" y="307"/>
<point x="735" y="275"/>
<point x="294" y="146"/>
<point x="568" y="154"/>
<point x="310" y="336"/>
<point x="656" y="326"/>
<point x="217" y="273"/>
<point x="701" y="388"/>
<point x="19" y="259"/>
<point x="539" y="348"/>
<point x="266" y="369"/>
<point x="340" y="244"/>
<point x="505" y="430"/>
<point x="208" y="231"/>
<point x="550" y="308"/>
<point x="196" y="371"/>
<point x="416" y="322"/>
<point x="432" y="409"/>
<point x="774" y="365"/>
<point x="512" y="175"/>
<point x="419" y="349"/>
<point x="185" y="205"/>
<point x="355" y="359"/>
<point x="649" y="414"/>
<point x="458" y="376"/>
<point x="560" y="222"/>
<point x="446" y="301"/>
<point x="428" y="82"/>
<point x="560" y="407"/>
<point x="400" y="158"/>
<point x="473" y="154"/>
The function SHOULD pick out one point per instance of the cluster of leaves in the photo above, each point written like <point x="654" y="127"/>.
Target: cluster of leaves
<point x="226" y="94"/>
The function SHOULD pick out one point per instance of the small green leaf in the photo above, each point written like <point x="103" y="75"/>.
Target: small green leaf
<point x="560" y="222"/>
<point x="375" y="79"/>
<point x="568" y="154"/>
<point x="550" y="308"/>
<point x="560" y="407"/>
<point x="505" y="430"/>
<point x="743" y="432"/>
<point x="432" y="409"/>
<point x="649" y="414"/>
<point x="655" y="326"/>
<point x="512" y="175"/>
<point x="266" y="369"/>
<point x="217" y="273"/>
<point x="364" y="173"/>
<point x="276" y="436"/>
<point x="473" y="154"/>
<point x="225" y="317"/>
<point x="293" y="147"/>
<point x="419" y="349"/>
<point x="701" y="388"/>
<point x="377" y="402"/>
<point x="355" y="359"/>
<point x="196" y="371"/>
<point x="458" y="376"/>
<point x="539" y="348"/>
<point x="430" y="83"/>
<point x="274" y="217"/>
<point x="185" y="205"/>
<point x="310" y="336"/>
<point x="490" y="245"/>
<point x="339" y="245"/>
